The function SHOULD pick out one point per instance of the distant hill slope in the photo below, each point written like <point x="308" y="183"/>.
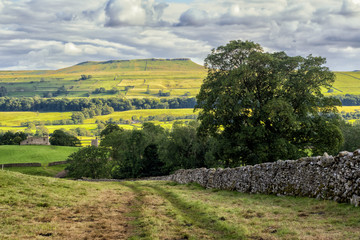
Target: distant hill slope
<point x="347" y="83"/>
<point x="152" y="64"/>
<point x="140" y="78"/>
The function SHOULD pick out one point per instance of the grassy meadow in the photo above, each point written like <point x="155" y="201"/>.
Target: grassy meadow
<point x="346" y="83"/>
<point x="32" y="153"/>
<point x="37" y="207"/>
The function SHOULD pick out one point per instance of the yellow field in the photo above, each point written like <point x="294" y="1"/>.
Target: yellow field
<point x="10" y="121"/>
<point x="16" y="118"/>
<point x="347" y="109"/>
<point x="127" y="115"/>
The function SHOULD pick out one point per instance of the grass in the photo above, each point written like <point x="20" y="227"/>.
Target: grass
<point x="39" y="208"/>
<point x="30" y="154"/>
<point x="145" y="77"/>
<point x="31" y="207"/>
<point x="163" y="210"/>
<point x="142" y="113"/>
<point x="346" y="83"/>
<point x="45" y="171"/>
<point x="179" y="76"/>
<point x="16" y="118"/>
<point x="10" y="121"/>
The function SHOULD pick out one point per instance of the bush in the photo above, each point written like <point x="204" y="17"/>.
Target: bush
<point x="90" y="162"/>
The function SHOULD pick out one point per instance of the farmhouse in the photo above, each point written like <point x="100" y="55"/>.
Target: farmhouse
<point x="36" y="141"/>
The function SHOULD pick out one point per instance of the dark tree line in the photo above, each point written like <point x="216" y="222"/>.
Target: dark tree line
<point x="11" y="138"/>
<point x="349" y="100"/>
<point x="79" y="104"/>
<point x="151" y="151"/>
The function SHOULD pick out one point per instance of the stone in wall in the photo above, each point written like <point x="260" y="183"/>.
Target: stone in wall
<point x="324" y="177"/>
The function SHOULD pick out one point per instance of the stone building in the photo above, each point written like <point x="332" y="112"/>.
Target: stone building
<point x="36" y="141"/>
<point x="95" y="142"/>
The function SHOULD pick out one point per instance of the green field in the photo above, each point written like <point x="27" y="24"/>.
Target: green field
<point x="47" y="208"/>
<point x="31" y="154"/>
<point x="11" y="121"/>
<point x="346" y="83"/>
<point x="134" y="78"/>
<point x="16" y="118"/>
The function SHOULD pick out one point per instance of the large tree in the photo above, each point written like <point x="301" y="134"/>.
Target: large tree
<point x="61" y="138"/>
<point x="266" y="106"/>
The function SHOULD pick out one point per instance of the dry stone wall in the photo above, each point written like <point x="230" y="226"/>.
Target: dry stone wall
<point x="7" y="165"/>
<point x="326" y="177"/>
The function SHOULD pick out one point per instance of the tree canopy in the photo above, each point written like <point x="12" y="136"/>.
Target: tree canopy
<point x="267" y="106"/>
<point x="62" y="138"/>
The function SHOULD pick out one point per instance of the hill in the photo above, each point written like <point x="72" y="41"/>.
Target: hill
<point x="152" y="64"/>
<point x="140" y="78"/>
<point x="130" y="78"/>
<point x="346" y="83"/>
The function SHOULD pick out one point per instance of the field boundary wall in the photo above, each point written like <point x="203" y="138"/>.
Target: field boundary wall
<point x="7" y="165"/>
<point x="323" y="177"/>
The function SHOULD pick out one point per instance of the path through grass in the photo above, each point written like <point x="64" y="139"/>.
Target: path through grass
<point x="38" y="208"/>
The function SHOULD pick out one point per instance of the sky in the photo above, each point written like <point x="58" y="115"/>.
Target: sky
<point x="52" y="34"/>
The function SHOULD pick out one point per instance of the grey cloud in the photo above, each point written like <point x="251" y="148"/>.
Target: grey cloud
<point x="349" y="8"/>
<point x="194" y="17"/>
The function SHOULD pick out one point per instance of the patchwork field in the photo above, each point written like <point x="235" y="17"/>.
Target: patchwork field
<point x="37" y="207"/>
<point x="133" y="78"/>
<point x="11" y="121"/>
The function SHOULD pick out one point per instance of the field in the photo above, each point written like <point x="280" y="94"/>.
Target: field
<point x="134" y="78"/>
<point x="130" y="78"/>
<point x="37" y="207"/>
<point x="348" y="109"/>
<point x="31" y="154"/>
<point x="16" y="118"/>
<point x="11" y="121"/>
<point x="346" y="83"/>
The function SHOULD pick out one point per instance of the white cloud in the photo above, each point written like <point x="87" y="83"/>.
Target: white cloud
<point x="134" y="13"/>
<point x="47" y="34"/>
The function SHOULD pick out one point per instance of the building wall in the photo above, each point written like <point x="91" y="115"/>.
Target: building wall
<point x="36" y="141"/>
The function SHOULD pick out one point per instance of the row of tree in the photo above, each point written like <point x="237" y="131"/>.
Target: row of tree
<point x="150" y="151"/>
<point x="79" y="104"/>
<point x="154" y="151"/>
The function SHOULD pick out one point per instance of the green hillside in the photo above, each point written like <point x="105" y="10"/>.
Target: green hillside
<point x="130" y="78"/>
<point x="346" y="83"/>
<point x="179" y="64"/>
<point x="31" y="154"/>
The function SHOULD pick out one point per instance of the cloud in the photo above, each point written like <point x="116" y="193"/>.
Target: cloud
<point x="134" y="13"/>
<point x="194" y="17"/>
<point x="42" y="34"/>
<point x="350" y="8"/>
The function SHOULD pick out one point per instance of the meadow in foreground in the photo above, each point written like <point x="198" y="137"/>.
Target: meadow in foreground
<point x="34" y="207"/>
